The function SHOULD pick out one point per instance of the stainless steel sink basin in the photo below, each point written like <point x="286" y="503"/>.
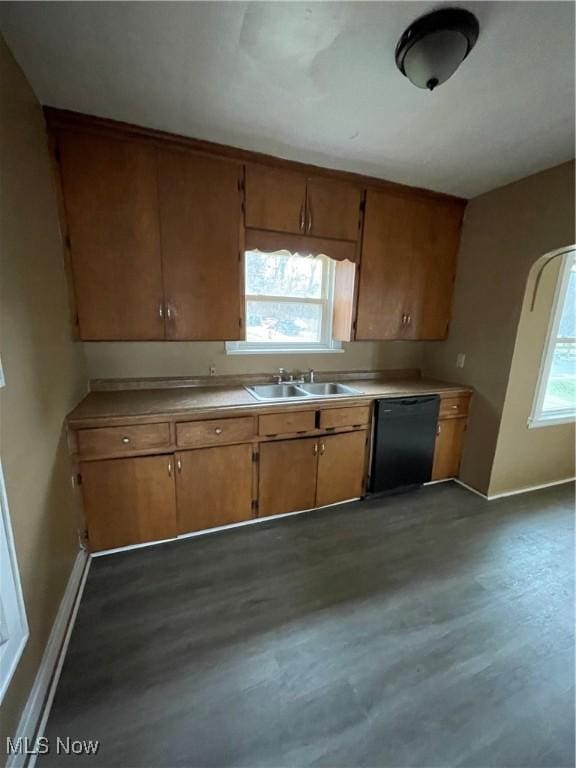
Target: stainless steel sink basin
<point x="328" y="389"/>
<point x="289" y="391"/>
<point x="277" y="391"/>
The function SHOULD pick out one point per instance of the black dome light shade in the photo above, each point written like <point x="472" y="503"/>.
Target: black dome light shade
<point x="434" y="46"/>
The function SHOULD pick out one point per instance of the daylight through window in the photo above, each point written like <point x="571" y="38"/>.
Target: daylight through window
<point x="556" y="394"/>
<point x="289" y="303"/>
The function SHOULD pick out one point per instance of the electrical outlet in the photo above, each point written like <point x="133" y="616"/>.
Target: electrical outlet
<point x="212" y="370"/>
<point x="460" y="359"/>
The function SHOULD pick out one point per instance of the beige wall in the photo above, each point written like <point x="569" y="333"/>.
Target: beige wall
<point x="134" y="359"/>
<point x="44" y="374"/>
<point x="505" y="231"/>
<point x="526" y="457"/>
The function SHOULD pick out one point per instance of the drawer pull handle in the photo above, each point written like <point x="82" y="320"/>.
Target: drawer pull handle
<point x="125" y="439"/>
<point x="218" y="430"/>
<point x="455" y="407"/>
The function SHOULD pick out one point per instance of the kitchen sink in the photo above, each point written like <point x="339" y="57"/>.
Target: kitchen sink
<point x="277" y="391"/>
<point x="289" y="391"/>
<point x="327" y="389"/>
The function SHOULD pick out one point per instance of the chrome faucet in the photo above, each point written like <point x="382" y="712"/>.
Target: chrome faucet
<point x="280" y="375"/>
<point x="311" y="375"/>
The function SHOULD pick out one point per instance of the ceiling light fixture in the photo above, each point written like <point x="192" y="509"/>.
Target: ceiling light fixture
<point x="434" y="46"/>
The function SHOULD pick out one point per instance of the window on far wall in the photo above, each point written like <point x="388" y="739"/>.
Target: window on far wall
<point x="289" y="304"/>
<point x="13" y="624"/>
<point x="555" y="401"/>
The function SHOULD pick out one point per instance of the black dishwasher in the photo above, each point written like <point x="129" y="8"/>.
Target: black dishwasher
<point x="404" y="438"/>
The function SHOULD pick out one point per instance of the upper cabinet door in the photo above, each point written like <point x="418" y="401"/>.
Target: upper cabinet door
<point x="275" y="199"/>
<point x="408" y="262"/>
<point x="110" y="198"/>
<point x="200" y="217"/>
<point x="436" y="268"/>
<point x="333" y="209"/>
<point x="386" y="266"/>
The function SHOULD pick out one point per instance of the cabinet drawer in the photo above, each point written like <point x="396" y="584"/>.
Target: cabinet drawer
<point x="190" y="434"/>
<point x="344" y="417"/>
<point x="287" y="423"/>
<point x="454" y="406"/>
<point x="104" y="441"/>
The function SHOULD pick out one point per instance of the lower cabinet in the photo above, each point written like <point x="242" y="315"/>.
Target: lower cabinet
<point x="310" y="472"/>
<point x="129" y="501"/>
<point x="341" y="467"/>
<point x="448" y="450"/>
<point x="213" y="487"/>
<point x="132" y="500"/>
<point x="287" y="476"/>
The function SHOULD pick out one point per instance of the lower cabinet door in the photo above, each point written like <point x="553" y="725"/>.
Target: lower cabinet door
<point x="448" y="450"/>
<point x="213" y="486"/>
<point x="287" y="476"/>
<point x="341" y="467"/>
<point x="129" y="501"/>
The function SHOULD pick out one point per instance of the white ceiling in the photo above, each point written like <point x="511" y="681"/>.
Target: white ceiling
<point x="315" y="81"/>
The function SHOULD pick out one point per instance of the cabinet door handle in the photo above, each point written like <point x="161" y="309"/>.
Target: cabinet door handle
<point x="438" y="429"/>
<point x="302" y="216"/>
<point x="169" y="469"/>
<point x="179" y="466"/>
<point x="315" y="449"/>
<point x="408" y="319"/>
<point x="309" y="219"/>
<point x="322" y="448"/>
<point x="161" y="311"/>
<point x="218" y="430"/>
<point x="125" y="440"/>
<point x="403" y="319"/>
<point x="168" y="312"/>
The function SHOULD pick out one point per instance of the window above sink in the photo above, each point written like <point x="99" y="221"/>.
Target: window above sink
<point x="289" y="304"/>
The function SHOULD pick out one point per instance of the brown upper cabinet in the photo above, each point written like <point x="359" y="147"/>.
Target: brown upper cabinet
<point x="286" y="201"/>
<point x="275" y="199"/>
<point x="110" y="201"/>
<point x="154" y="238"/>
<point x="408" y="264"/>
<point x="200" y="215"/>
<point x="156" y="227"/>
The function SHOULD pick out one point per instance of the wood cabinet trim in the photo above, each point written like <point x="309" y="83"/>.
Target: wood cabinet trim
<point x="61" y="118"/>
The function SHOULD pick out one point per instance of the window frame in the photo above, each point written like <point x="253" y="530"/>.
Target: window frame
<point x="12" y="600"/>
<point x="539" y="418"/>
<point x="326" y="344"/>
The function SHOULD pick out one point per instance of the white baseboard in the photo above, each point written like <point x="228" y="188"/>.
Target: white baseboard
<point x="530" y="488"/>
<point x="220" y="528"/>
<point x="527" y="489"/>
<point x="469" y="488"/>
<point x="35" y="714"/>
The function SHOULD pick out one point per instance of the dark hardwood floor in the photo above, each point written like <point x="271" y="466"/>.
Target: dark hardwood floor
<point x="429" y="629"/>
